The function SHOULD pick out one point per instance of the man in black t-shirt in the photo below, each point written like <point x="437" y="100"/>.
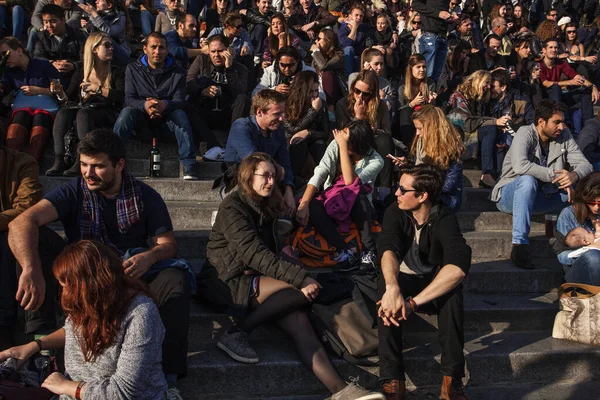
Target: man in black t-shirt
<point x="424" y="259"/>
<point x="107" y="204"/>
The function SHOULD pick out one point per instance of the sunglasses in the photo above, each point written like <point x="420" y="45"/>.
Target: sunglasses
<point x="404" y="191"/>
<point x="288" y="65"/>
<point x="4" y="53"/>
<point x="240" y="26"/>
<point x="416" y="22"/>
<point x="592" y="203"/>
<point x="569" y="32"/>
<point x="360" y="93"/>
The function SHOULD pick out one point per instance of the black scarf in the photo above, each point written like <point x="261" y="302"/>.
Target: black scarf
<point x="384" y="37"/>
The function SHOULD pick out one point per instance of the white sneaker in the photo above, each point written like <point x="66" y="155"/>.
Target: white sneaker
<point x="173" y="394"/>
<point x="214" y="154"/>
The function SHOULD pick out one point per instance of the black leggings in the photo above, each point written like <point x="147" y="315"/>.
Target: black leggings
<point x="384" y="144"/>
<point x="86" y="120"/>
<point x="362" y="215"/>
<point x="299" y="152"/>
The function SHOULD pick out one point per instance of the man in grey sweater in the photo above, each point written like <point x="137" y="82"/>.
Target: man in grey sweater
<point x="534" y="176"/>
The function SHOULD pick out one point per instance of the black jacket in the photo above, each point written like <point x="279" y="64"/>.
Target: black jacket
<point x="237" y="78"/>
<point x="253" y="18"/>
<point x="315" y="14"/>
<point x="70" y="48"/>
<point x="116" y="93"/>
<point x="242" y="240"/>
<point x="441" y="242"/>
<point x="589" y="140"/>
<point x="142" y="82"/>
<point x="429" y="10"/>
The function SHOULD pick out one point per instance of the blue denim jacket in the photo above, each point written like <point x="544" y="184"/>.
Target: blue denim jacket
<point x="245" y="138"/>
<point x="566" y="223"/>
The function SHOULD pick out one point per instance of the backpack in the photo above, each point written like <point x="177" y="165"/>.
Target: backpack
<point x="316" y="252"/>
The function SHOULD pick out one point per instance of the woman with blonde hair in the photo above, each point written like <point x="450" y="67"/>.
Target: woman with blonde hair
<point x="93" y="100"/>
<point x="363" y="103"/>
<point x="438" y="142"/>
<point x="468" y="113"/>
<point x="416" y="91"/>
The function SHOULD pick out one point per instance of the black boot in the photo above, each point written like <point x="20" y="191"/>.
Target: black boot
<point x="58" y="167"/>
<point x="75" y="170"/>
<point x="520" y="256"/>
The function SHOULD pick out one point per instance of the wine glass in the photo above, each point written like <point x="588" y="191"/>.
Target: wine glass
<point x="217" y="95"/>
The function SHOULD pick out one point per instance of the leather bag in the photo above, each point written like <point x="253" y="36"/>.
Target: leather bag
<point x="579" y="317"/>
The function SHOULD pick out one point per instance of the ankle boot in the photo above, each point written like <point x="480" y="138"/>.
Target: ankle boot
<point x="394" y="389"/>
<point x="37" y="143"/>
<point x="521" y="257"/>
<point x="15" y="136"/>
<point x="58" y="167"/>
<point x="453" y="389"/>
<point x="75" y="169"/>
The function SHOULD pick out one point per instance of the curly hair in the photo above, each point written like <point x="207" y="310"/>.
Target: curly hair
<point x="370" y="78"/>
<point x="547" y="30"/>
<point x="299" y="98"/>
<point x="272" y="205"/>
<point x="96" y="293"/>
<point x="440" y="141"/>
<point x="473" y="88"/>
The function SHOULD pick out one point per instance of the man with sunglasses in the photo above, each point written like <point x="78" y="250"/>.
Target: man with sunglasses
<point x="424" y="259"/>
<point x="535" y="178"/>
<point x="280" y="74"/>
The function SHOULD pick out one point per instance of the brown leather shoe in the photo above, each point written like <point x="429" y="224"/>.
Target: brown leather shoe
<point x="394" y="389"/>
<point x="453" y="389"/>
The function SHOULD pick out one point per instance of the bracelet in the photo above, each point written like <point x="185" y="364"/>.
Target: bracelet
<point x="78" y="390"/>
<point x="39" y="343"/>
<point x="413" y="304"/>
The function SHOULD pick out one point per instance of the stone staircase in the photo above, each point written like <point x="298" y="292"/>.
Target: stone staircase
<point x="509" y="312"/>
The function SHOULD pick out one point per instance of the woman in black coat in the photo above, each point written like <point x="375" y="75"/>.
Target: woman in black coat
<point x="253" y="280"/>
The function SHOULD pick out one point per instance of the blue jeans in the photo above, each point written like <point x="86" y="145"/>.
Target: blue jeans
<point x="148" y="20"/>
<point x="596" y="166"/>
<point x="32" y="39"/>
<point x="350" y="59"/>
<point x="18" y="20"/>
<point x="434" y="48"/>
<point x="521" y="198"/>
<point x="176" y="124"/>
<point x="488" y="137"/>
<point x="585" y="269"/>
<point x="583" y="96"/>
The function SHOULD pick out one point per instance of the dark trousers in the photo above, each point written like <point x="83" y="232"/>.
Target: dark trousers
<point x="384" y="144"/>
<point x="8" y="283"/>
<point x="362" y="215"/>
<point x="488" y="137"/>
<point x="583" y="96"/>
<point x="86" y="120"/>
<point x="299" y="153"/>
<point x="331" y="87"/>
<point x="203" y="118"/>
<point x="171" y="289"/>
<point x="44" y="319"/>
<point x="449" y="309"/>
<point x="257" y="38"/>
<point x="406" y="131"/>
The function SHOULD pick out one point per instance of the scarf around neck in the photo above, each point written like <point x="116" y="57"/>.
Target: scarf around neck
<point x="129" y="209"/>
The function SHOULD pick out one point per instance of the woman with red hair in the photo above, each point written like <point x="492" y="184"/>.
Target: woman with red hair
<point x="113" y="333"/>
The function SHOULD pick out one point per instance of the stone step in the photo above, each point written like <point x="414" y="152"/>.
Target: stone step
<point x="492" y="358"/>
<point x="524" y="391"/>
<point x="493" y="221"/>
<point x="484" y="245"/>
<point x="170" y="189"/>
<point x="483" y="313"/>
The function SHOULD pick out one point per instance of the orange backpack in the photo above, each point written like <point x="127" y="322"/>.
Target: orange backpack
<point x="316" y="252"/>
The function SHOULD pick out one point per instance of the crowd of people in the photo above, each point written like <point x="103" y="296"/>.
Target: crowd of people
<point x="380" y="102"/>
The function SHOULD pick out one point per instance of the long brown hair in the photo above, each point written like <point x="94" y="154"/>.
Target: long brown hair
<point x="299" y="99"/>
<point x="547" y="30"/>
<point x="270" y="206"/>
<point x="412" y="85"/>
<point x="96" y="293"/>
<point x="274" y="39"/>
<point x="588" y="189"/>
<point x="370" y="78"/>
<point x="332" y="44"/>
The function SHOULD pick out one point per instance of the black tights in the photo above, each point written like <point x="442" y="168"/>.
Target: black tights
<point x="277" y="301"/>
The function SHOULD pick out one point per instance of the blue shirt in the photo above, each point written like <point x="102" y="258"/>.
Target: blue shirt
<point x="245" y="138"/>
<point x="38" y="73"/>
<point x="154" y="219"/>
<point x="566" y="223"/>
<point x="238" y="42"/>
<point x="178" y="47"/>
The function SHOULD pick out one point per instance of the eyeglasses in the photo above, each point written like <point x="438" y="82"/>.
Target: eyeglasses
<point x="240" y="26"/>
<point x="592" y="203"/>
<point x="360" y="93"/>
<point x="404" y="191"/>
<point x="416" y="22"/>
<point x="3" y="53"/>
<point x="267" y="176"/>
<point x="288" y="65"/>
<point x="107" y="45"/>
<point x="571" y="32"/>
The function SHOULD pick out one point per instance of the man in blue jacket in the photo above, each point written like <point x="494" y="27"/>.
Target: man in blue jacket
<point x="352" y="35"/>
<point x="154" y="99"/>
<point x="179" y="40"/>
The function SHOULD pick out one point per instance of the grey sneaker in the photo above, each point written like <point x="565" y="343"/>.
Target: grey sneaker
<point x="189" y="174"/>
<point x="356" y="392"/>
<point x="237" y="346"/>
<point x="173" y="394"/>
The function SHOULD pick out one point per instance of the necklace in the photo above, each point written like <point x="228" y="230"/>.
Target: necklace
<point x="172" y="20"/>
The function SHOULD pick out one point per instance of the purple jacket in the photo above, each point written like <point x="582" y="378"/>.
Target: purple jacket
<point x="339" y="199"/>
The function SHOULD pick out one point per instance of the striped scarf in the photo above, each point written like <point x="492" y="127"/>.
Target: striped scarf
<point x="129" y="208"/>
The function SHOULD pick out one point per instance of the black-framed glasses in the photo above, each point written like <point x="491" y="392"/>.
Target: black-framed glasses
<point x="288" y="65"/>
<point x="404" y="191"/>
<point x="360" y="93"/>
<point x="416" y="22"/>
<point x="267" y="176"/>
